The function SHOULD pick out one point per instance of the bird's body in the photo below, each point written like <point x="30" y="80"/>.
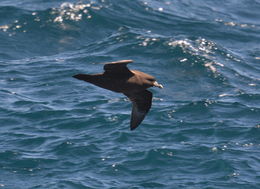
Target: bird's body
<point x="121" y="83"/>
<point x="132" y="83"/>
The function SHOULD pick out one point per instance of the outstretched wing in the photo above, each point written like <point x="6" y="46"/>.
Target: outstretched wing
<point x="117" y="67"/>
<point x="142" y="103"/>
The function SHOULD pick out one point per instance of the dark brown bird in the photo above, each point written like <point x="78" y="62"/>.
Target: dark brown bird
<point x="132" y="83"/>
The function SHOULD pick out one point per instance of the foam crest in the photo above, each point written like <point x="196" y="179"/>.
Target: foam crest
<point x="74" y="11"/>
<point x="200" y="48"/>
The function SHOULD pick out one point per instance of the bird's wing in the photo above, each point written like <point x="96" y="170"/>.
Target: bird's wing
<point x="142" y="103"/>
<point x="117" y="67"/>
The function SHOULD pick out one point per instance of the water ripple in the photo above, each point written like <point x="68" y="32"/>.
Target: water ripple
<point x="202" y="130"/>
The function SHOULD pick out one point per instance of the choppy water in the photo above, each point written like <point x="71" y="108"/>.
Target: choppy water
<point x="202" y="130"/>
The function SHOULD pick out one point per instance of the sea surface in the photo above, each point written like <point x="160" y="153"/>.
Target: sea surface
<point x="203" y="130"/>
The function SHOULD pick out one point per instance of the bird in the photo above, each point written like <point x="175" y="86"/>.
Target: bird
<point x="132" y="83"/>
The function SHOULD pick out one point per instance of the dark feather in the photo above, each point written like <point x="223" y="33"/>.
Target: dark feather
<point x="117" y="67"/>
<point x="142" y="103"/>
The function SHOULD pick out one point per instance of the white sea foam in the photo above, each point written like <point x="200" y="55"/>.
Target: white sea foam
<point x="74" y="11"/>
<point x="200" y="47"/>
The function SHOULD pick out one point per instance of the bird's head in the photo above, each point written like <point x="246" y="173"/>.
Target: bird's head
<point x="154" y="83"/>
<point x="147" y="79"/>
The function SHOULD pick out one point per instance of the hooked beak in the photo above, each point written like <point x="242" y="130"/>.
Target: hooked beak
<point x="156" y="84"/>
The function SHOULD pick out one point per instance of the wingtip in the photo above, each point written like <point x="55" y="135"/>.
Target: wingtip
<point x="126" y="61"/>
<point x="77" y="76"/>
<point x="133" y="128"/>
<point x="120" y="61"/>
<point x="84" y="77"/>
<point x="136" y="121"/>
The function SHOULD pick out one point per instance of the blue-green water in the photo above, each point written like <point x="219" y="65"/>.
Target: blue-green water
<point x="203" y="130"/>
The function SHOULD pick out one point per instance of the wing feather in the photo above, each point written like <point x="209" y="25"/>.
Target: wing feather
<point x="117" y="67"/>
<point x="141" y="104"/>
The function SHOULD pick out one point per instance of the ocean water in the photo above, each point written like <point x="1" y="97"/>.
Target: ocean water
<point x="203" y="130"/>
